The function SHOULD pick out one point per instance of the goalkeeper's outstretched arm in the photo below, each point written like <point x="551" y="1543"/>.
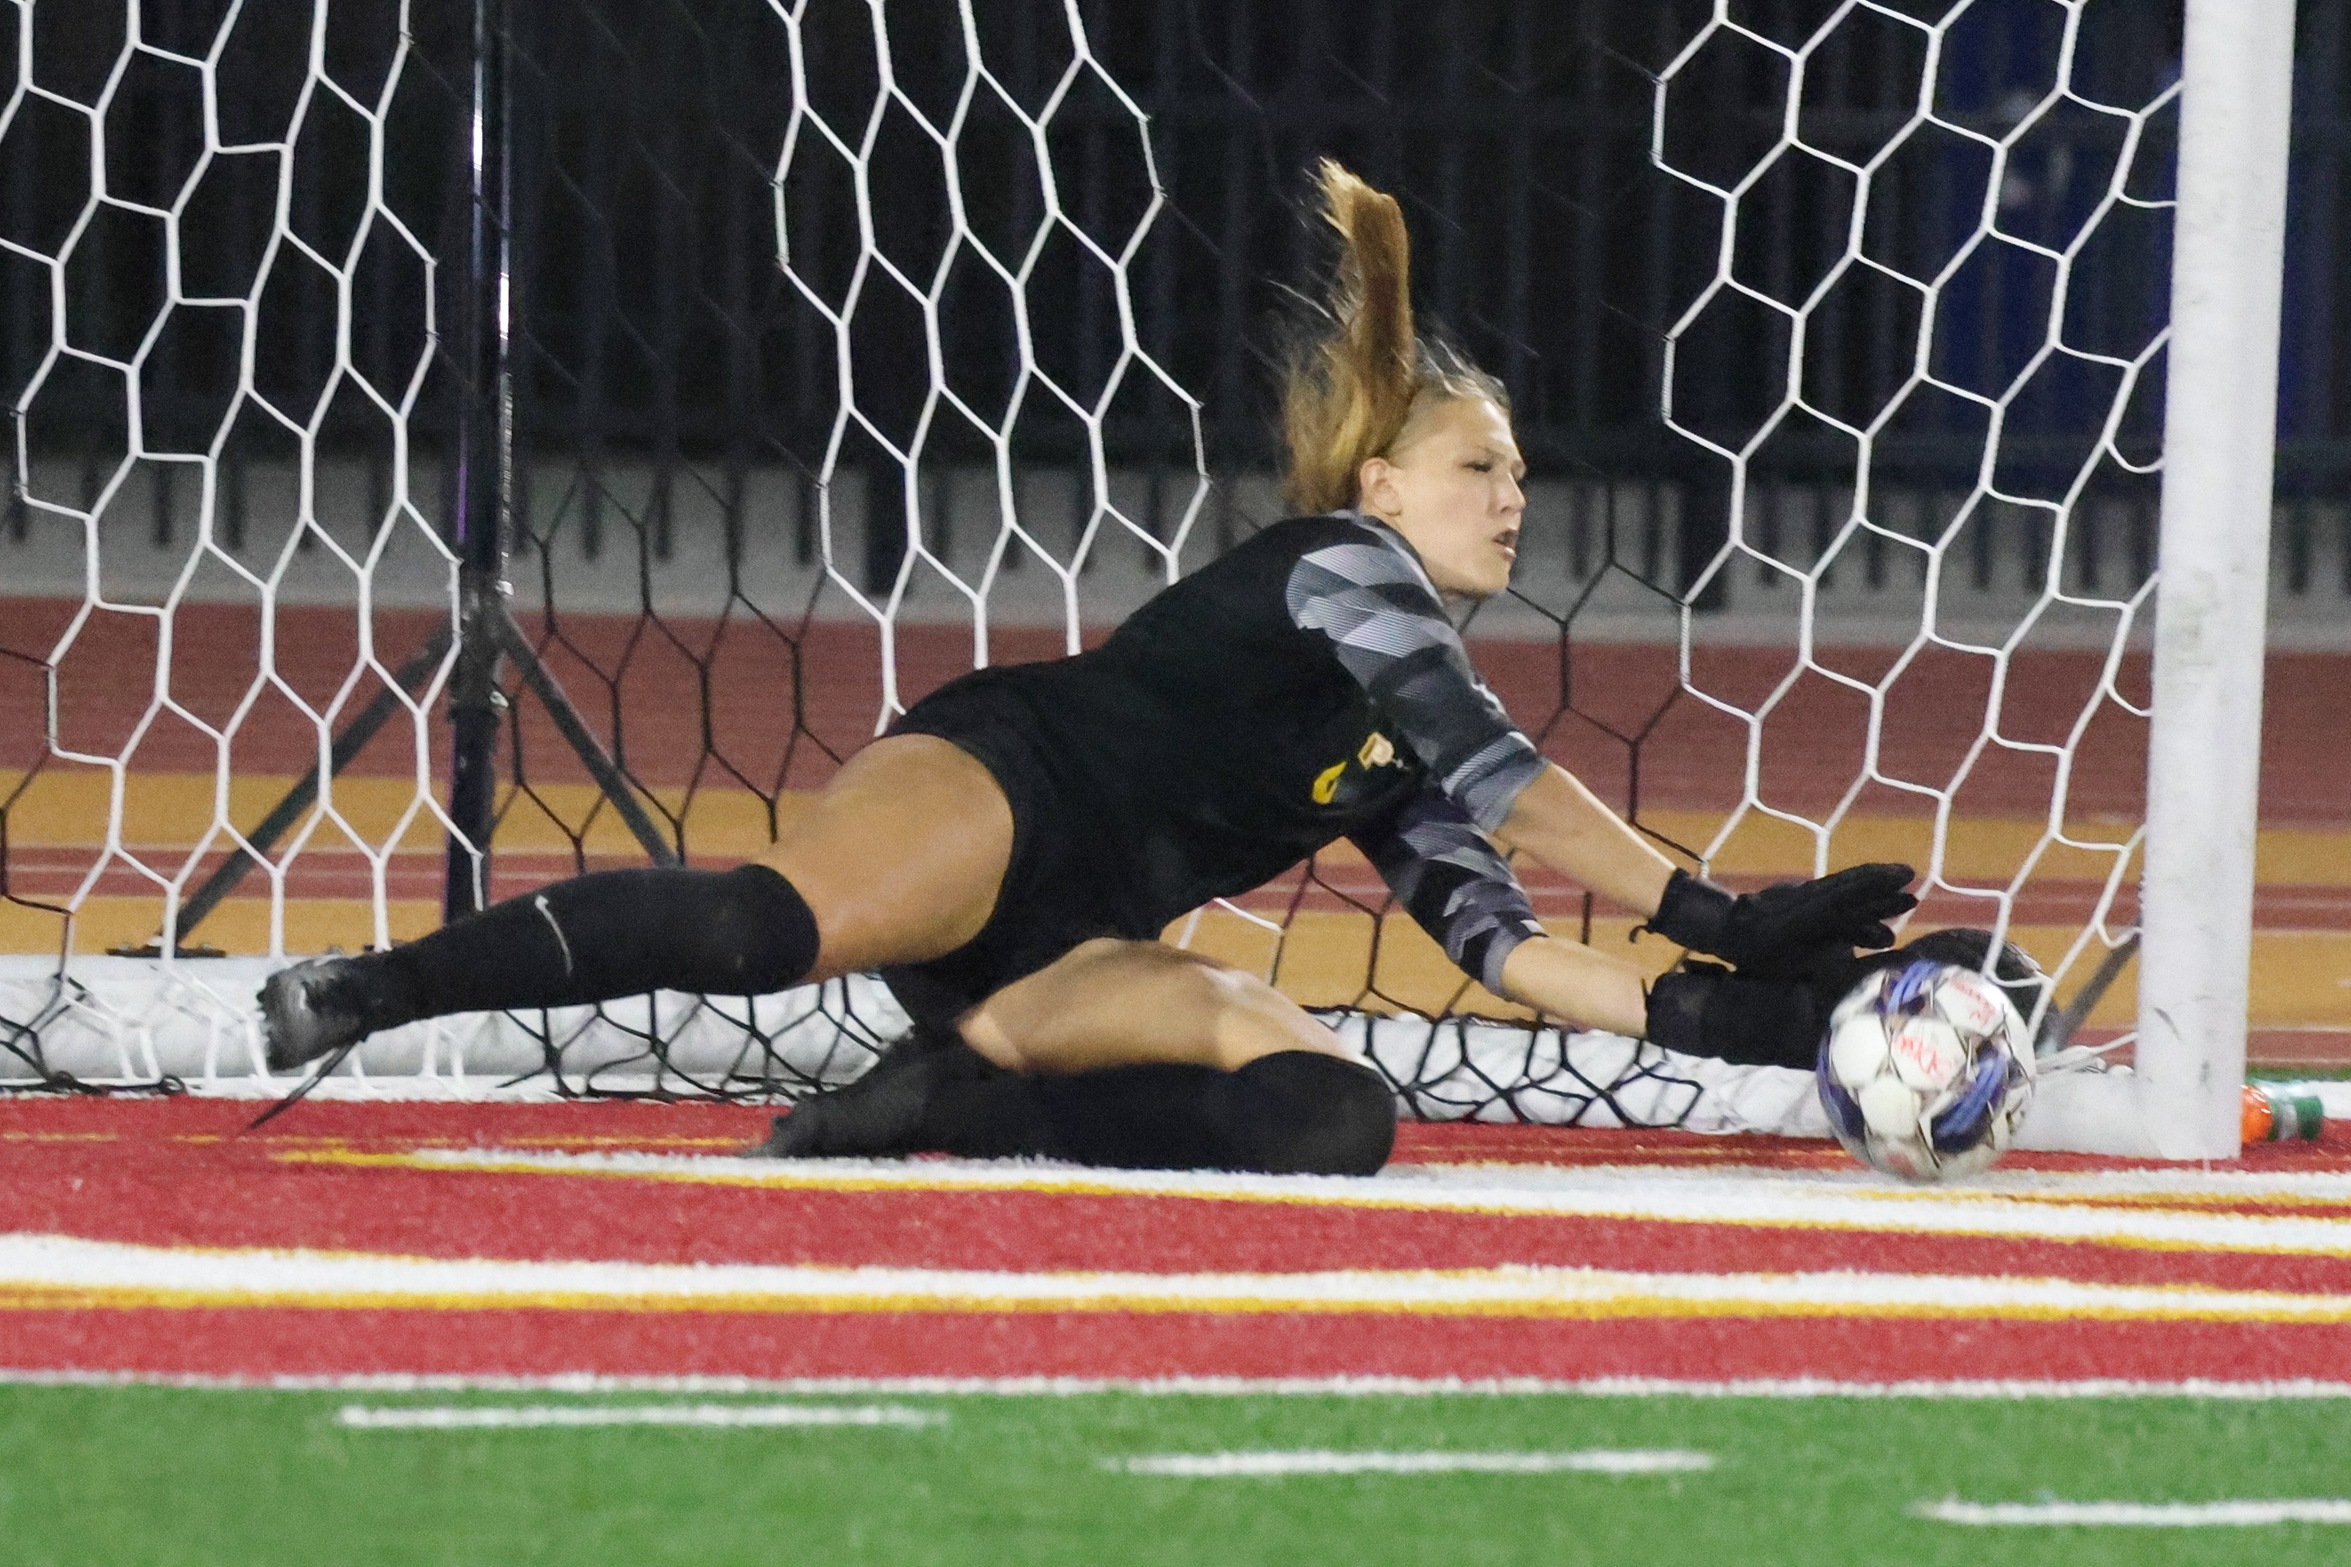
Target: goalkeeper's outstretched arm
<point x="1457" y="886"/>
<point x="1562" y="824"/>
<point x="1577" y="984"/>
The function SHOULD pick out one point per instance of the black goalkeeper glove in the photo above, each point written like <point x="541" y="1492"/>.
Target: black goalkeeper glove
<point x="1703" y="1009"/>
<point x="1776" y="1017"/>
<point x="1784" y="925"/>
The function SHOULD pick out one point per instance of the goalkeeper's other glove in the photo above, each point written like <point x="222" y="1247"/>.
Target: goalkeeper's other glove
<point x="1703" y="1009"/>
<point x="1775" y="1017"/>
<point x="1781" y="926"/>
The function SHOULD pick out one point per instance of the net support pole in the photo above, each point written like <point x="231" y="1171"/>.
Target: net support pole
<point x="484" y="478"/>
<point x="2220" y="418"/>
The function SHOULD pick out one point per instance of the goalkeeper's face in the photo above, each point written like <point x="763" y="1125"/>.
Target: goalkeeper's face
<point x="1451" y="487"/>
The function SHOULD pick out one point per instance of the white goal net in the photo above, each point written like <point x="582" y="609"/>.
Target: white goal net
<point x="848" y="348"/>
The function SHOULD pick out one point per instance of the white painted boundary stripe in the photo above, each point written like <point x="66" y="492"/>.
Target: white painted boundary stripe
<point x="478" y="1417"/>
<point x="1273" y="1465"/>
<point x="2031" y="1209"/>
<point x="262" y="1279"/>
<point x="2142" y="1515"/>
<point x="1409" y="1183"/>
<point x="591" y="1383"/>
<point x="67" y="1263"/>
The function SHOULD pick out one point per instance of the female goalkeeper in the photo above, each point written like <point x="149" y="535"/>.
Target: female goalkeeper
<point x="1008" y="854"/>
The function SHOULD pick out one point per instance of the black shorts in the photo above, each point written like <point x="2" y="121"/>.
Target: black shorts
<point x="1061" y="886"/>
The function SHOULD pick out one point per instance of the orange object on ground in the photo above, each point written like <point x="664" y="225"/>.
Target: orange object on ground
<point x="2273" y="1116"/>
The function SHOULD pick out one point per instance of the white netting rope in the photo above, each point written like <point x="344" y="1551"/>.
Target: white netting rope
<point x="347" y="567"/>
<point x="808" y="136"/>
<point x="1993" y="901"/>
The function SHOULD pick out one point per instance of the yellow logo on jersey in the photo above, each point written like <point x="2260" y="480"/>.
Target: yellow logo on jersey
<point x="1377" y="751"/>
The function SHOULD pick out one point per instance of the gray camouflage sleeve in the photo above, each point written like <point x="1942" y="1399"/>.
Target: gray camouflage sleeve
<point x="1453" y="883"/>
<point x="1385" y="621"/>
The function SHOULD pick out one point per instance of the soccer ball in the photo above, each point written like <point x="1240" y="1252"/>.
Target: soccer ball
<point x="1925" y="1071"/>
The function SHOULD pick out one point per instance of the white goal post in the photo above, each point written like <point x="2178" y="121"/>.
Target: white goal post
<point x="2219" y="445"/>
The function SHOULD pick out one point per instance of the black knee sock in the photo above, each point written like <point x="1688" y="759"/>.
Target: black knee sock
<point x="743" y="932"/>
<point x="1295" y="1112"/>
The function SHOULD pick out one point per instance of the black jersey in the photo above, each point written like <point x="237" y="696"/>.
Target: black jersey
<point x="1305" y="686"/>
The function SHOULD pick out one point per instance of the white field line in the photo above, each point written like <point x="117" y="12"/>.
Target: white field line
<point x="1274" y="1465"/>
<point x="2036" y="1211"/>
<point x="1408" y="1182"/>
<point x="2140" y="1515"/>
<point x="482" y="1417"/>
<point x="588" y="1383"/>
<point x="52" y="1270"/>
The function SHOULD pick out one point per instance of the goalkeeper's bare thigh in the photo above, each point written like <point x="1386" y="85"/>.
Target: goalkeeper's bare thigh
<point x="1109" y="1003"/>
<point x="900" y="857"/>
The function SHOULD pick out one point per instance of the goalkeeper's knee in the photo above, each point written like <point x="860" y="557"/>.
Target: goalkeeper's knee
<point x="759" y="935"/>
<point x="1303" y="1112"/>
<point x="1296" y="1112"/>
<point x="744" y="932"/>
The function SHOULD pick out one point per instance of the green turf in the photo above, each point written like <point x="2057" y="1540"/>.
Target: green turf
<point x="153" y="1475"/>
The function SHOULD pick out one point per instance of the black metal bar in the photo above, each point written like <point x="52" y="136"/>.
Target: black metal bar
<point x="2058" y="1030"/>
<point x="485" y="477"/>
<point x="487" y="634"/>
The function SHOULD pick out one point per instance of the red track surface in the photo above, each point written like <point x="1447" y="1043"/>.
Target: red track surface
<point x="780" y="708"/>
<point x="1585" y="703"/>
<point x="177" y="1173"/>
<point x="276" y="1342"/>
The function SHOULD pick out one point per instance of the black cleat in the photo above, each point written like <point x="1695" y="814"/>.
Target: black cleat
<point x="803" y="1132"/>
<point x="855" y="1122"/>
<point x="879" y="1116"/>
<point x="313" y="1009"/>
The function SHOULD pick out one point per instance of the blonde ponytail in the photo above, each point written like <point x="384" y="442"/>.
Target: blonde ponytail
<point x="1352" y="387"/>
